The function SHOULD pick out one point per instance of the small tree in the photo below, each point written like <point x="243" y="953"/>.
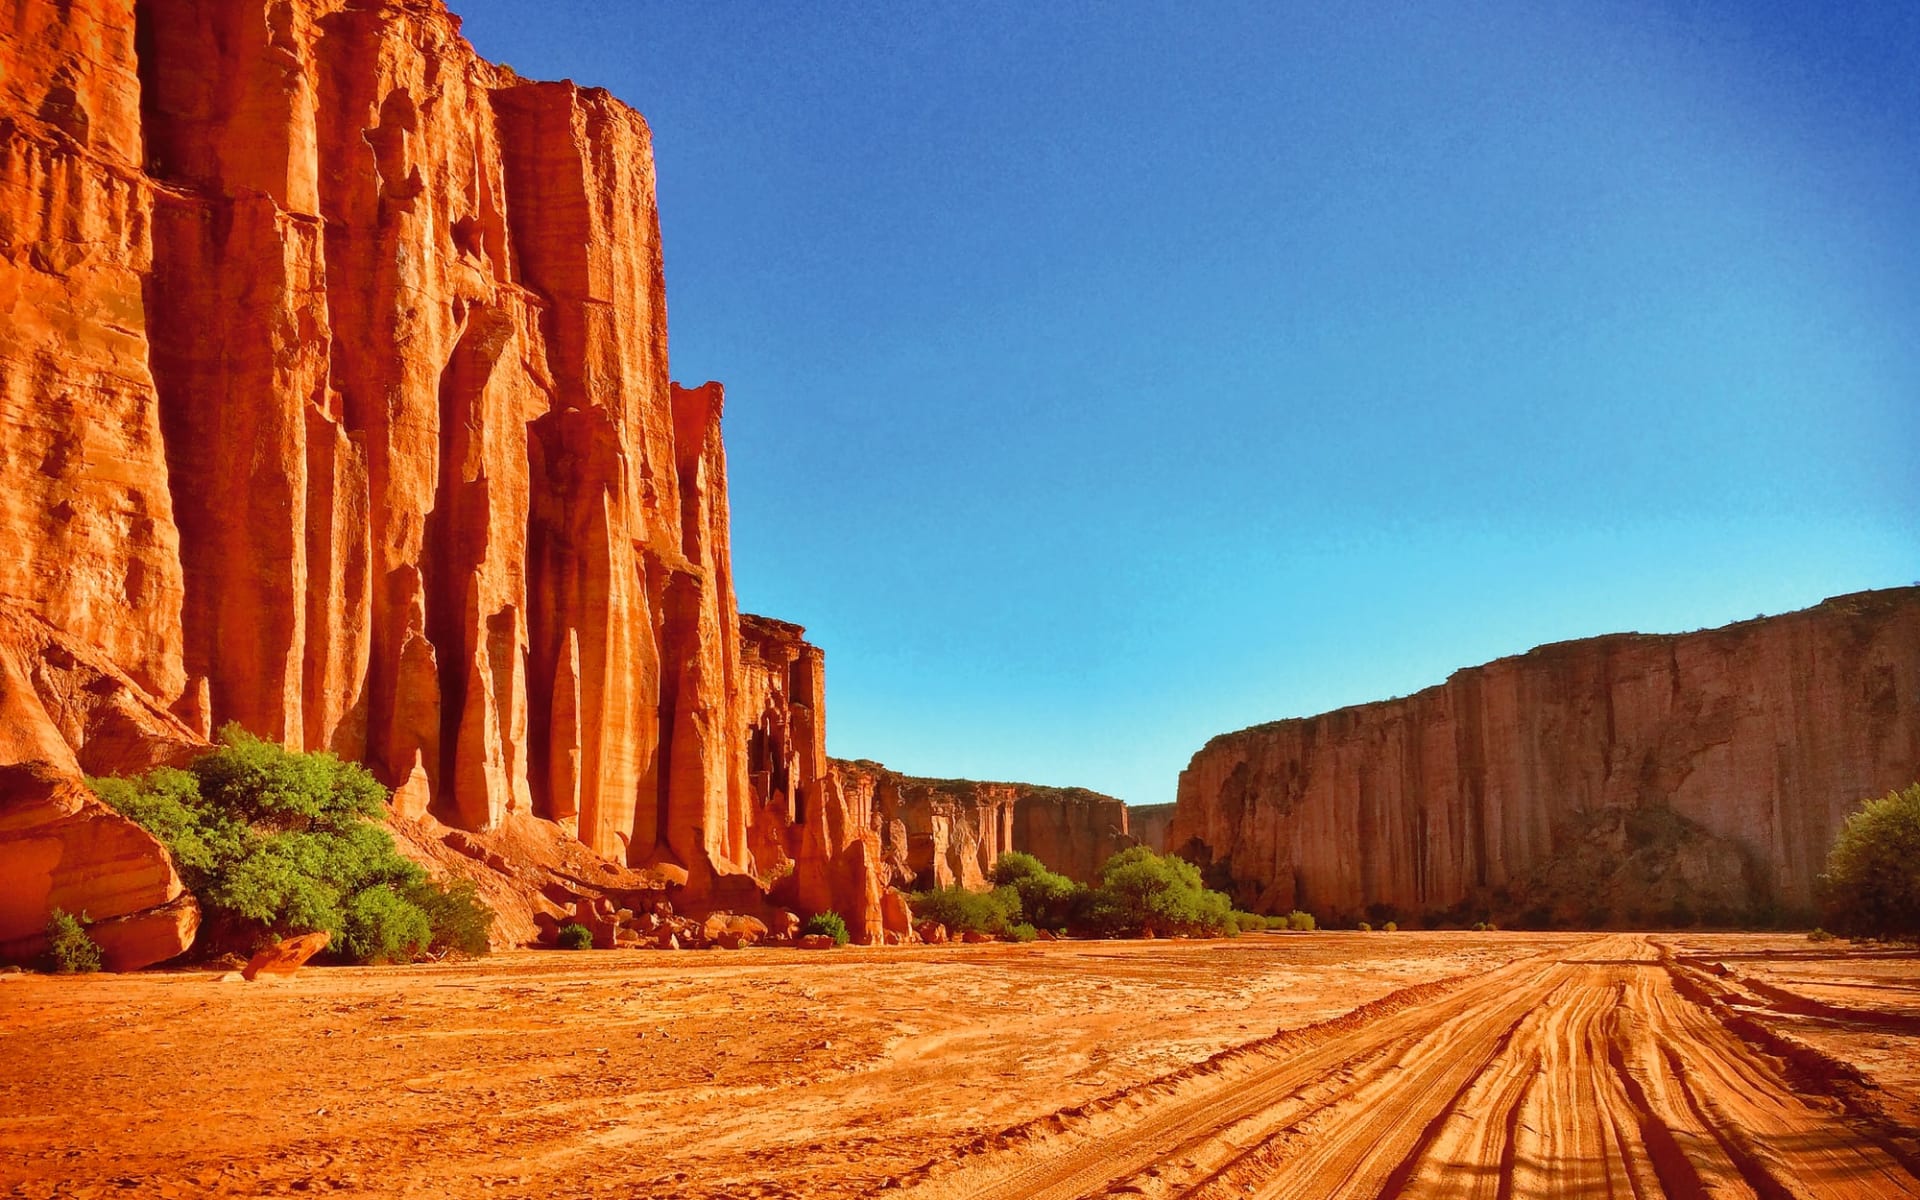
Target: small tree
<point x="274" y="843"/>
<point x="1872" y="884"/>
<point x="1047" y="898"/>
<point x="69" y="949"/>
<point x="1141" y="890"/>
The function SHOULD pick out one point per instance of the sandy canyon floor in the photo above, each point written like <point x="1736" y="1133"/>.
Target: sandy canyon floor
<point x="1340" y="1064"/>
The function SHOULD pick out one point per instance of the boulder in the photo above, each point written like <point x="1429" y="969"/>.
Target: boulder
<point x="284" y="958"/>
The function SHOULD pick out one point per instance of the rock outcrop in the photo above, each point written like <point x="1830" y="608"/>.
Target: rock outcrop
<point x="334" y="401"/>
<point x="1627" y="779"/>
<point x="811" y="834"/>
<point x="937" y="833"/>
<point x="1148" y="824"/>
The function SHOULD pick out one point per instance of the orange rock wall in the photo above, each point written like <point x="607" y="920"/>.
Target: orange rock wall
<point x="810" y="832"/>
<point x="334" y="401"/>
<point x="937" y="833"/>
<point x="1721" y="762"/>
<point x="1147" y="824"/>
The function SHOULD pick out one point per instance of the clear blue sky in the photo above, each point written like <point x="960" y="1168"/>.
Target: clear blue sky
<point x="1104" y="377"/>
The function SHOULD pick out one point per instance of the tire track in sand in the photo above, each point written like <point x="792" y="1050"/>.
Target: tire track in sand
<point x="1589" y="1074"/>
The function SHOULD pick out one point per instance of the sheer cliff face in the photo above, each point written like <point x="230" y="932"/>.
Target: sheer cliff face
<point x="804" y="825"/>
<point x="334" y="401"/>
<point x="1618" y="779"/>
<point x="1148" y="824"/>
<point x="938" y="833"/>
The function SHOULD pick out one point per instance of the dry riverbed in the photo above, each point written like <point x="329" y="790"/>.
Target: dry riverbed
<point x="1413" y="1063"/>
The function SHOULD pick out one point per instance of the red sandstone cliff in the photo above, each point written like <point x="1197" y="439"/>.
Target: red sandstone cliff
<point x="334" y="401"/>
<point x="1621" y="779"/>
<point x="937" y="833"/>
<point x="1149" y="823"/>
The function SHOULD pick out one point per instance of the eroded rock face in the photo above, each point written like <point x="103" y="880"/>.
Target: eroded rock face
<point x="938" y="833"/>
<point x="805" y="823"/>
<point x="1622" y="779"/>
<point x="334" y="401"/>
<point x="65" y="712"/>
<point x="1148" y="824"/>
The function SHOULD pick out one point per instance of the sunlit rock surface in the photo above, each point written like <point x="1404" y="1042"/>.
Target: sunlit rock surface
<point x="1627" y="779"/>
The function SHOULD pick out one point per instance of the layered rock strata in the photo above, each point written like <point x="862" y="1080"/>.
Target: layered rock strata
<point x="334" y="401"/>
<point x="938" y="833"/>
<point x="1627" y="779"/>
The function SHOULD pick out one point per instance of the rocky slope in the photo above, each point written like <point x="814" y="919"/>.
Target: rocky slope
<point x="334" y="401"/>
<point x="1627" y="779"/>
<point x="937" y="833"/>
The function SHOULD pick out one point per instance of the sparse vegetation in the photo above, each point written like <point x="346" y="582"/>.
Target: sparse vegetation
<point x="1819" y="935"/>
<point x="1022" y="932"/>
<point x="1364" y="927"/>
<point x="275" y="843"/>
<point x="1872" y="884"/>
<point x="962" y="911"/>
<point x="1391" y="927"/>
<point x="1301" y="922"/>
<point x="574" y="936"/>
<point x="829" y="923"/>
<point x="69" y="950"/>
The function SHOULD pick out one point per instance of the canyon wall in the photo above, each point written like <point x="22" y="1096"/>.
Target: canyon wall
<point x="937" y="833"/>
<point x="334" y="401"/>
<point x="1148" y="824"/>
<point x="1627" y="779"/>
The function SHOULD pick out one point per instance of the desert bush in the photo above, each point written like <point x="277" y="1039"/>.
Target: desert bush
<point x="1302" y="921"/>
<point x="1364" y="927"/>
<point x="1022" y="932"/>
<point x="1390" y="927"/>
<point x="829" y="923"/>
<point x="962" y="911"/>
<point x="1141" y="890"/>
<point x="275" y="843"/>
<point x="1479" y="926"/>
<point x="1819" y="935"/>
<point x="1046" y="897"/>
<point x="69" y="950"/>
<point x="574" y="936"/>
<point x="1872" y="884"/>
<point x="457" y="918"/>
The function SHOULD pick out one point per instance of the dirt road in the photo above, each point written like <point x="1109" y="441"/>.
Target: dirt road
<point x="1603" y="1071"/>
<point x="1333" y="1064"/>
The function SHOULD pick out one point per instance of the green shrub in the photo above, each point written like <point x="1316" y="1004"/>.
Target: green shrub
<point x="1365" y="928"/>
<point x="275" y="843"/>
<point x="1819" y="935"/>
<point x="1479" y="926"/>
<point x="574" y="936"/>
<point x="1872" y="884"/>
<point x="69" y="950"/>
<point x="379" y="925"/>
<point x="1046" y="898"/>
<point x="962" y="911"/>
<point x="1391" y="927"/>
<point x="458" y="918"/>
<point x="829" y="923"/>
<point x="1141" y="890"/>
<point x="1022" y="933"/>
<point x="1301" y="921"/>
<point x="1013" y="866"/>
